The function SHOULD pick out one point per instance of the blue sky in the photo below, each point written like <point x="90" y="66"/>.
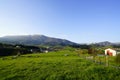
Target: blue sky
<point x="81" y="21"/>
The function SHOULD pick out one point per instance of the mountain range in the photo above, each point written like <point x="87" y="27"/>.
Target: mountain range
<point x="35" y="40"/>
<point x="44" y="40"/>
<point x="107" y="43"/>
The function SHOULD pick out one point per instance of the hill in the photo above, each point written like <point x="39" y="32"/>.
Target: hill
<point x="35" y="40"/>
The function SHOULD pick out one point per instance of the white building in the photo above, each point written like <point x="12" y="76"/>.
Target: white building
<point x="110" y="52"/>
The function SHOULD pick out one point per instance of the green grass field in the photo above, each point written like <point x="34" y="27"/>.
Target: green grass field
<point x="61" y="65"/>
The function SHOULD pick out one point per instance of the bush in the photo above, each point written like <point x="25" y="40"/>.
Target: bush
<point x="118" y="59"/>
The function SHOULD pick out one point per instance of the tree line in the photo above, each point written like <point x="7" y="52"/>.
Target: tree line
<point x="8" y="49"/>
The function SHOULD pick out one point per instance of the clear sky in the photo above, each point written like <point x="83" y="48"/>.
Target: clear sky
<point x="81" y="21"/>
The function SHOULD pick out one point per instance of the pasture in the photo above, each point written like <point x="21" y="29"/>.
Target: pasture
<point x="59" y="65"/>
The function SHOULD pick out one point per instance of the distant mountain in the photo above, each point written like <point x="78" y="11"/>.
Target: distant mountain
<point x="35" y="40"/>
<point x="105" y="43"/>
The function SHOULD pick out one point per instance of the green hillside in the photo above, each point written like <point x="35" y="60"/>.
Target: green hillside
<point x="60" y="65"/>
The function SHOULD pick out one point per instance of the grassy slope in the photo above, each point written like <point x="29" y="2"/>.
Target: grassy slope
<point x="54" y="66"/>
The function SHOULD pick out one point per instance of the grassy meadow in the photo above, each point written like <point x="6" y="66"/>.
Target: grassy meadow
<point x="59" y="65"/>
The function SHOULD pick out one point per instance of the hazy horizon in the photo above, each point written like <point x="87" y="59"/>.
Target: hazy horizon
<point x="80" y="21"/>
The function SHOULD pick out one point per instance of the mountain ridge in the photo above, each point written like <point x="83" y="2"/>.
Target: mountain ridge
<point x="44" y="40"/>
<point x="35" y="40"/>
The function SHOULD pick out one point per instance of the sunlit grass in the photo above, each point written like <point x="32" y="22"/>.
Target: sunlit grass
<point x="54" y="66"/>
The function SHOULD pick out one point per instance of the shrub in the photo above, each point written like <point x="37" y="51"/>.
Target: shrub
<point x="117" y="60"/>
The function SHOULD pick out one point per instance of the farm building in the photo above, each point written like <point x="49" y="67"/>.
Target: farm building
<point x="110" y="52"/>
